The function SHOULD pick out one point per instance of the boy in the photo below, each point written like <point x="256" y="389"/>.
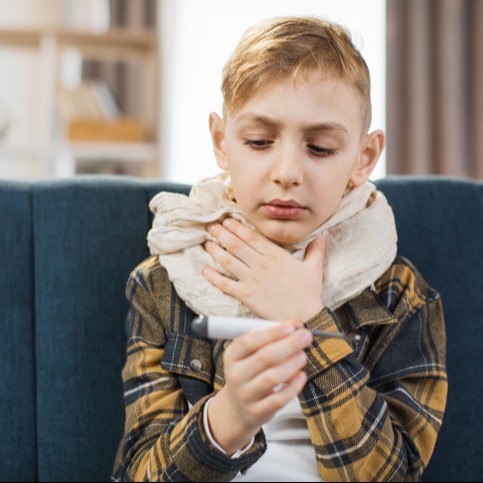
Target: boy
<point x="291" y="232"/>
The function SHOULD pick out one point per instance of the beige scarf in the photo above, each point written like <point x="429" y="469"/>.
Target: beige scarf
<point x="361" y="247"/>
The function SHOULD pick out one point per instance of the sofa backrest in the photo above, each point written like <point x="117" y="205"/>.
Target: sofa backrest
<point x="66" y="250"/>
<point x="18" y="446"/>
<point x="440" y="229"/>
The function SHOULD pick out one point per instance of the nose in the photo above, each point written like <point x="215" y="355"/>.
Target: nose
<point x="287" y="168"/>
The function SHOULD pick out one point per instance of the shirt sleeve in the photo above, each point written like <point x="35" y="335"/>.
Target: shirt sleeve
<point x="164" y="440"/>
<point x="374" y="409"/>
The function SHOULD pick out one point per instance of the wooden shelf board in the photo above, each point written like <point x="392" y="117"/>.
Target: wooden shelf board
<point x="18" y="152"/>
<point x="110" y="151"/>
<point x="87" y="150"/>
<point x="115" y="38"/>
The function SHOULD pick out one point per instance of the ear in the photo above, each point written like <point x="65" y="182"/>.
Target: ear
<point x="371" y="148"/>
<point x="217" y="129"/>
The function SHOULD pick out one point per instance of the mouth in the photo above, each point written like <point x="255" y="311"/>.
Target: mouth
<point x="281" y="209"/>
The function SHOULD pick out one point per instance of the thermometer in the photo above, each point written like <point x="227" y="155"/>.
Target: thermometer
<point x="232" y="327"/>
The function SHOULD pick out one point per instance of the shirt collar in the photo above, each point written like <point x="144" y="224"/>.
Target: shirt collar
<point x="367" y="310"/>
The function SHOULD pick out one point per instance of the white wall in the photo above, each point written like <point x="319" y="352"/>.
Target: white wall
<point x="197" y="38"/>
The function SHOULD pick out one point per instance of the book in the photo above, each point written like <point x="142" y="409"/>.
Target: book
<point x="105" y="99"/>
<point x="92" y="113"/>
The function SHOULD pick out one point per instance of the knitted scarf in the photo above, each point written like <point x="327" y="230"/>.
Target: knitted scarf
<point x="361" y="247"/>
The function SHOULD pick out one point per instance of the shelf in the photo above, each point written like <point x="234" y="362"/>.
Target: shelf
<point x="54" y="154"/>
<point x="114" y="38"/>
<point x="17" y="38"/>
<point x="144" y="152"/>
<point x="19" y="153"/>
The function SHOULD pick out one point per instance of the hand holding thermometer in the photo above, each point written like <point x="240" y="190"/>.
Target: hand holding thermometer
<point x="232" y="327"/>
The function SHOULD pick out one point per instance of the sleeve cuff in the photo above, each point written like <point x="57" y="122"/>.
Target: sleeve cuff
<point x="236" y="455"/>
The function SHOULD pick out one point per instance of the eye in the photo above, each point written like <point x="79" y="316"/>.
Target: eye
<point x="321" y="151"/>
<point x="257" y="143"/>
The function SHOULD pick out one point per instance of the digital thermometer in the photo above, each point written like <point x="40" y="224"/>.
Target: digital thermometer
<point x="231" y="327"/>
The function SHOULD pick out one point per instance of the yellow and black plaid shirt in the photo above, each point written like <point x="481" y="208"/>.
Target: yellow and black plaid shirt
<point x="373" y="408"/>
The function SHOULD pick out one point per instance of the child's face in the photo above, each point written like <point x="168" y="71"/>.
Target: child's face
<point x="291" y="151"/>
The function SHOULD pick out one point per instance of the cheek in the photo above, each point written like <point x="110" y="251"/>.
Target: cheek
<point x="332" y="174"/>
<point x="242" y="189"/>
<point x="244" y="198"/>
<point x="327" y="193"/>
<point x="246" y="181"/>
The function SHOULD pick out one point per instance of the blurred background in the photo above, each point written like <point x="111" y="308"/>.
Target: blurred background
<point x="126" y="86"/>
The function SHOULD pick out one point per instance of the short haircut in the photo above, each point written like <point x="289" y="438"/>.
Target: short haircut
<point x="294" y="46"/>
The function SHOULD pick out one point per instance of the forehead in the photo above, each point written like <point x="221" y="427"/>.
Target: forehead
<point x="312" y="101"/>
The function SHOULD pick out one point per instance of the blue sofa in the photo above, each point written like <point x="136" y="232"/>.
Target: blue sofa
<point x="66" y="249"/>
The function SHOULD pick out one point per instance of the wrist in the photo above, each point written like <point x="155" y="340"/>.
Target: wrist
<point x="212" y="440"/>
<point x="229" y="431"/>
<point x="311" y="311"/>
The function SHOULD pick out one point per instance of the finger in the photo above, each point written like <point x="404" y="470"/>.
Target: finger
<point x="274" y="378"/>
<point x="269" y="356"/>
<point x="252" y="238"/>
<point x="230" y="263"/>
<point x="315" y="253"/>
<point x="248" y="344"/>
<point x="225" y="284"/>
<point x="233" y="244"/>
<point x="269" y="405"/>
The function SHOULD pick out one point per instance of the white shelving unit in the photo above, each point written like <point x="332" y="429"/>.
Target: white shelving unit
<point x="54" y="155"/>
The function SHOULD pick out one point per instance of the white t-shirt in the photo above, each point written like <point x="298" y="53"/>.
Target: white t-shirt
<point x="290" y="455"/>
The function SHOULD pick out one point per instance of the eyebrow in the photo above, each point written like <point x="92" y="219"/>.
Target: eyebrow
<point x="322" y="126"/>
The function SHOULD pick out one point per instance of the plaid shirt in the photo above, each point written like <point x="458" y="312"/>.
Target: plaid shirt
<point x="373" y="408"/>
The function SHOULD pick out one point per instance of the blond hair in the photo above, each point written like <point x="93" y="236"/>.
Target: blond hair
<point x="293" y="46"/>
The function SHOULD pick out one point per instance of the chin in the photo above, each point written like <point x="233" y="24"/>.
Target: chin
<point x="285" y="234"/>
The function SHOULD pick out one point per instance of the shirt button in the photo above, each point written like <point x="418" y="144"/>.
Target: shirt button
<point x="196" y="365"/>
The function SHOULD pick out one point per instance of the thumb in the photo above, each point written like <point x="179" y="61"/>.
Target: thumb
<point x="315" y="253"/>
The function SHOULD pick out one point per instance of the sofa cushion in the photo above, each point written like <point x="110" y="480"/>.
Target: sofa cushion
<point x="18" y="445"/>
<point x="440" y="229"/>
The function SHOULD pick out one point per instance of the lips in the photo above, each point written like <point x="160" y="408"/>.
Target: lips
<point x="284" y="209"/>
<point x="284" y="204"/>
